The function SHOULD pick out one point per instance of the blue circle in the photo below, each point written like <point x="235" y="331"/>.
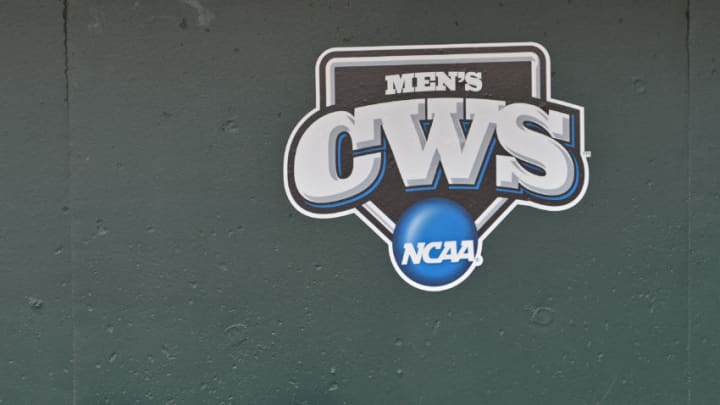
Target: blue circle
<point x="426" y="237"/>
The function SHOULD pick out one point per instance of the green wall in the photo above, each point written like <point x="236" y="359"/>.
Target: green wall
<point x="148" y="253"/>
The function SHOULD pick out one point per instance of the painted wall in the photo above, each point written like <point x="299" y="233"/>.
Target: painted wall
<point x="148" y="253"/>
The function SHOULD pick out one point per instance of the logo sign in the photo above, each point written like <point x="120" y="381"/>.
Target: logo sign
<point x="433" y="146"/>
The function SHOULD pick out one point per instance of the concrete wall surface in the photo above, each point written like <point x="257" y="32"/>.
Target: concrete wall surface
<point x="149" y="254"/>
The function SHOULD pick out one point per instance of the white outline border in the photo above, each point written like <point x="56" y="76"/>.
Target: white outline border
<point x="498" y="201"/>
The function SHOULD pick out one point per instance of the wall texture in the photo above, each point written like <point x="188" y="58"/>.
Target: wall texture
<point x="149" y="254"/>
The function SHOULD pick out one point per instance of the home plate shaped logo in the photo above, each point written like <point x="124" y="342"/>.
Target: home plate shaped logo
<point x="433" y="146"/>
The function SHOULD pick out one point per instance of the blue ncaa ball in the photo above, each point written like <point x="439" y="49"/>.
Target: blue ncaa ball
<point x="435" y="242"/>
